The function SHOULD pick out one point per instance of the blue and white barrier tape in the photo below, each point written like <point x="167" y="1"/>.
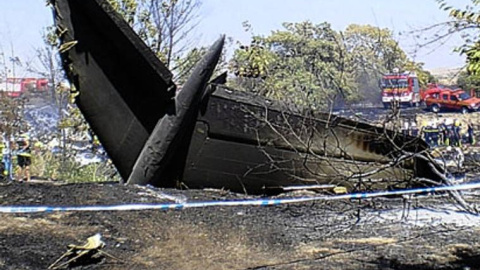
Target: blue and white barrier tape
<point x="253" y="202"/>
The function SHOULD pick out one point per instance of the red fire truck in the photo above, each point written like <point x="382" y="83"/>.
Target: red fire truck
<point x="400" y="88"/>
<point x="16" y="87"/>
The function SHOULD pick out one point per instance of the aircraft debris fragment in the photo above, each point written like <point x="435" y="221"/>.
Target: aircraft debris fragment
<point x="216" y="137"/>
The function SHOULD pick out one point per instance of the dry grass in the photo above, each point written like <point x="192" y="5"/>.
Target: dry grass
<point x="22" y="225"/>
<point x="310" y="250"/>
<point x="459" y="247"/>
<point x="198" y="247"/>
<point x="440" y="258"/>
<point x="369" y="241"/>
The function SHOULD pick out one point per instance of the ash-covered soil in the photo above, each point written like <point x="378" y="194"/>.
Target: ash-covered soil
<point x="370" y="234"/>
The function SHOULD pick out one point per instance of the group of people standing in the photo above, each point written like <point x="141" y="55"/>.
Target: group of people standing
<point x="448" y="133"/>
<point x="16" y="157"/>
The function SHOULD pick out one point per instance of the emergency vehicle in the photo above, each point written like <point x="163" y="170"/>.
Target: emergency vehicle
<point x="16" y="87"/>
<point x="452" y="100"/>
<point x="400" y="88"/>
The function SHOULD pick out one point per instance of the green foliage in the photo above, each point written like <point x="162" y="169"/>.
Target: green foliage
<point x="186" y="64"/>
<point x="50" y="166"/>
<point x="162" y="25"/>
<point x="374" y="48"/>
<point x="11" y="116"/>
<point x="374" y="52"/>
<point x="468" y="81"/>
<point x="12" y="121"/>
<point x="126" y="8"/>
<point x="466" y="19"/>
<point x="304" y="63"/>
<point x="314" y="65"/>
<point x="424" y="76"/>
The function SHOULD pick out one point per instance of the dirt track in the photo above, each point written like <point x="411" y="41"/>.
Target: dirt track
<point x="340" y="235"/>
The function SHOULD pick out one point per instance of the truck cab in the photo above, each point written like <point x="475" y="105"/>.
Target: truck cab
<point x="452" y="100"/>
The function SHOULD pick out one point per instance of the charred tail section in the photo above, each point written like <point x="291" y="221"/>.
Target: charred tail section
<point x="163" y="156"/>
<point x="211" y="136"/>
<point x="124" y="89"/>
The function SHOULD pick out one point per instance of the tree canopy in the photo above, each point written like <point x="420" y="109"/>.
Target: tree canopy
<point x="305" y="63"/>
<point x="163" y="25"/>
<point x="312" y="64"/>
<point x="374" y="52"/>
<point x="467" y="21"/>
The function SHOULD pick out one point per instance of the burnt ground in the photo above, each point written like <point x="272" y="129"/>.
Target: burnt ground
<point x="321" y="235"/>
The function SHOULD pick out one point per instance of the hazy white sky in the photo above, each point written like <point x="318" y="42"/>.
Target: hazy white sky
<point x="22" y="21"/>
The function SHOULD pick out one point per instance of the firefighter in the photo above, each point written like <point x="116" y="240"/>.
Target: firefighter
<point x="457" y="126"/>
<point x="442" y="129"/>
<point x="424" y="131"/>
<point x="406" y="128"/>
<point x="471" y="134"/>
<point x="435" y="134"/>
<point x="7" y="158"/>
<point x="449" y="134"/>
<point x="414" y="129"/>
<point x="24" y="157"/>
<point x="430" y="134"/>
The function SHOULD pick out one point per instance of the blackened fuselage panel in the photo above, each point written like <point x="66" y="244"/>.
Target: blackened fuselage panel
<point x="124" y="88"/>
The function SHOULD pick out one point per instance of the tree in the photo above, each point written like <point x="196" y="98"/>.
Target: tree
<point x="12" y="120"/>
<point x="467" y="22"/>
<point x="163" y="25"/>
<point x="47" y="65"/>
<point x="304" y="63"/>
<point x="468" y="81"/>
<point x="187" y="63"/>
<point x="424" y="76"/>
<point x="374" y="52"/>
<point x="374" y="48"/>
<point x="315" y="65"/>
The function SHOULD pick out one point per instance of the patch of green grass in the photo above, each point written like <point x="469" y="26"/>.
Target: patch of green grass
<point x="49" y="166"/>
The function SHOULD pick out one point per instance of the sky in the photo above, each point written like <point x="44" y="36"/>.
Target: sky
<point x="22" y="22"/>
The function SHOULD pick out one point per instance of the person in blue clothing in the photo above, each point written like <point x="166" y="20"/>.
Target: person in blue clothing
<point x="430" y="134"/>
<point x="457" y="126"/>
<point x="449" y="132"/>
<point x="414" y="130"/>
<point x="471" y="134"/>
<point x="7" y="158"/>
<point x="442" y="129"/>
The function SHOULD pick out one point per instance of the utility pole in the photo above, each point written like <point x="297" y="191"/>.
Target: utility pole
<point x="5" y="71"/>
<point x="12" y="59"/>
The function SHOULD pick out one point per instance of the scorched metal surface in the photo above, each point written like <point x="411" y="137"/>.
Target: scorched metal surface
<point x="205" y="138"/>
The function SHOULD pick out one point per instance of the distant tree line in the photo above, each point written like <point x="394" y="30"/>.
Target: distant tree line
<point x="305" y="63"/>
<point x="315" y="65"/>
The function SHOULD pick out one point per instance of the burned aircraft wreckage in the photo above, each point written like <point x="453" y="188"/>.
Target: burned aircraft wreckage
<point x="207" y="135"/>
